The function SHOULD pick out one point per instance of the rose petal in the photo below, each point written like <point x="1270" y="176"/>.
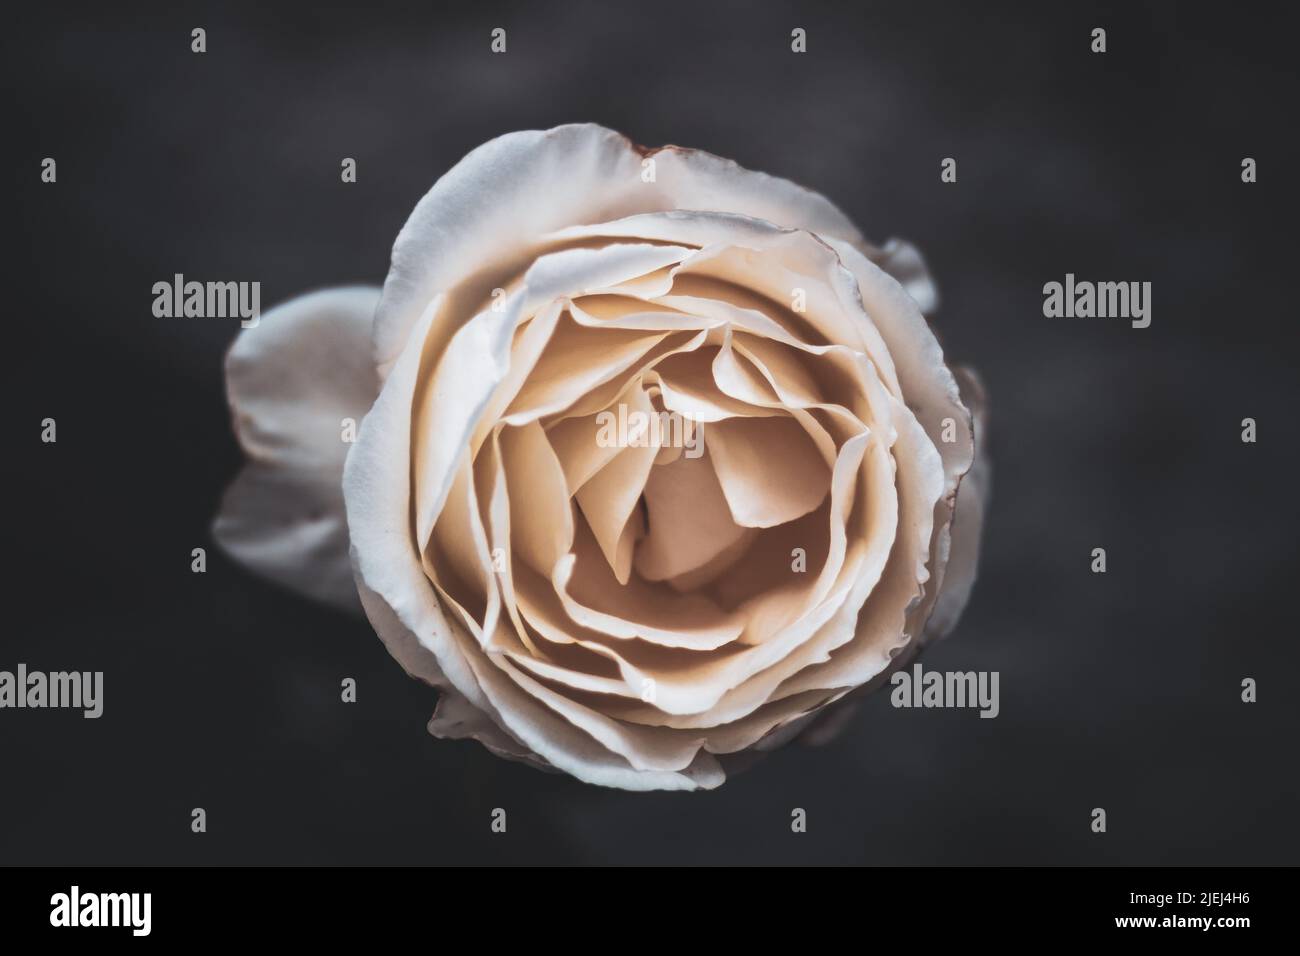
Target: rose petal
<point x="898" y="257"/>
<point x="771" y="472"/>
<point x="688" y="518"/>
<point x="931" y="392"/>
<point x="292" y="380"/>
<point x="611" y="497"/>
<point x="968" y="518"/>
<point x="498" y="204"/>
<point x="390" y="574"/>
<point x="904" y="262"/>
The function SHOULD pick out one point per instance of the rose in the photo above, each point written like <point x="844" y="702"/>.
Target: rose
<point x="621" y="610"/>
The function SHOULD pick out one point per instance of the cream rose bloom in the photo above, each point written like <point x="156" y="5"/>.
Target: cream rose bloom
<point x="625" y="612"/>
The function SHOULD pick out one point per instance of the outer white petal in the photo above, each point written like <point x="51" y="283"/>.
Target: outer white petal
<point x="930" y="390"/>
<point x="904" y="262"/>
<point x="928" y="385"/>
<point x="968" y="519"/>
<point x="291" y="380"/>
<point x="491" y="214"/>
<point x="899" y="258"/>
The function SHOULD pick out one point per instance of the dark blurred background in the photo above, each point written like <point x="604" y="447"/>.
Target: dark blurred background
<point x="1119" y="690"/>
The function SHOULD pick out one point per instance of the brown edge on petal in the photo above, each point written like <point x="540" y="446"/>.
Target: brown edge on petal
<point x="646" y="152"/>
